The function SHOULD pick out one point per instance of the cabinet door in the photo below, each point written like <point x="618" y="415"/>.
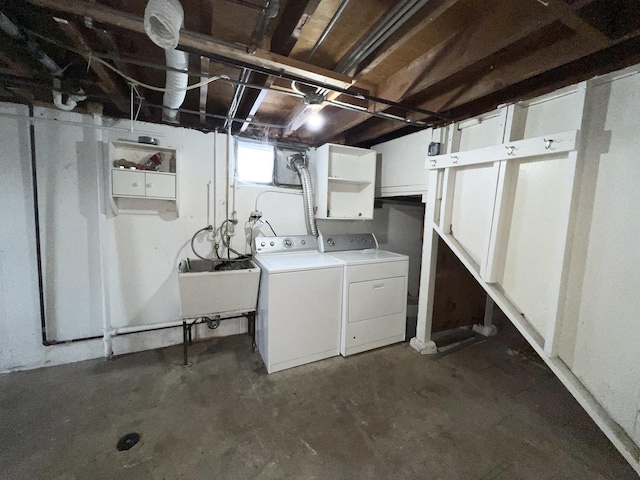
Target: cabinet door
<point x="161" y="186"/>
<point x="128" y="183"/>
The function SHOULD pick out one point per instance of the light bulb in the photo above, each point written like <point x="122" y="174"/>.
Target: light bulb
<point x="315" y="121"/>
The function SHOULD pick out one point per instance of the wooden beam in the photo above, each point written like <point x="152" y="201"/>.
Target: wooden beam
<point x="477" y="44"/>
<point x="204" y="89"/>
<point x="292" y="20"/>
<point x="339" y="122"/>
<point x="205" y="26"/>
<point x="107" y="84"/>
<point x="429" y="14"/>
<point x="202" y="44"/>
<point x="106" y="39"/>
<point x="480" y="50"/>
<point x="520" y="65"/>
<point x="15" y="68"/>
<point x="533" y="75"/>
<point x="567" y="15"/>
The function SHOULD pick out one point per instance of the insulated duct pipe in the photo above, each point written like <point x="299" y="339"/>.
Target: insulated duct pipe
<point x="163" y="20"/>
<point x="296" y="162"/>
<point x="176" y="84"/>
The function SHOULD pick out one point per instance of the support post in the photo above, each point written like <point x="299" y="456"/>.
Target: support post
<point x="487" y="329"/>
<point x="422" y="342"/>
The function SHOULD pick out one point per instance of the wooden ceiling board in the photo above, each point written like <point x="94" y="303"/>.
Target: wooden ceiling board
<point x="355" y="21"/>
<point x="422" y="42"/>
<point x="277" y="106"/>
<point x="478" y="43"/>
<point x="468" y="54"/>
<point x="314" y="28"/>
<point x="232" y="22"/>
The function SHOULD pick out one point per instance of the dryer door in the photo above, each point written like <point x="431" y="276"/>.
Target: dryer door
<point x="376" y="298"/>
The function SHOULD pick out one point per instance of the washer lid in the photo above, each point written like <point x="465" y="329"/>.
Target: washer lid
<point x="279" y="262"/>
<point x="367" y="256"/>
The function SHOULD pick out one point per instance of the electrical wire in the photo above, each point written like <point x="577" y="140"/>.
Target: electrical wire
<point x="132" y="80"/>
<point x="274" y="232"/>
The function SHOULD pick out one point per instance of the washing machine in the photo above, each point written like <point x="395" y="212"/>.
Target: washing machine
<point x="374" y="292"/>
<point x="299" y="314"/>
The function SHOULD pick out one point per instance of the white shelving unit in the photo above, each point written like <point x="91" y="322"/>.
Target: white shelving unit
<point x="345" y="182"/>
<point x="142" y="191"/>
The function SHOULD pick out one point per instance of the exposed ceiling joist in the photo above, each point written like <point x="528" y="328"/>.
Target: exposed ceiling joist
<point x="533" y="66"/>
<point x="107" y="83"/>
<point x="416" y="62"/>
<point x="291" y="21"/>
<point x="430" y="13"/>
<point x="202" y="43"/>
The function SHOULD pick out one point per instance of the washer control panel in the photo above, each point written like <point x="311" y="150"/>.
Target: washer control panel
<point x="292" y="243"/>
<point x="347" y="241"/>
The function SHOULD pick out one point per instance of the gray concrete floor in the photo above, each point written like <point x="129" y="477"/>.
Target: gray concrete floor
<point x="478" y="413"/>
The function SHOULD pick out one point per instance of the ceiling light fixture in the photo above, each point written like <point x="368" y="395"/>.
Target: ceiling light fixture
<point x="315" y="120"/>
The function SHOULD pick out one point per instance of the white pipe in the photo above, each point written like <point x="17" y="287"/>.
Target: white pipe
<point x="70" y="104"/>
<point x="144" y="328"/>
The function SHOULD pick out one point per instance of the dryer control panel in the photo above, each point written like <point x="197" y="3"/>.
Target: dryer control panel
<point x="347" y="241"/>
<point x="292" y="243"/>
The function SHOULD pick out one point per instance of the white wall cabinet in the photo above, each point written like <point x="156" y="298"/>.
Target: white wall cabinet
<point x="345" y="182"/>
<point x="400" y="166"/>
<point x="132" y="183"/>
<point x="142" y="191"/>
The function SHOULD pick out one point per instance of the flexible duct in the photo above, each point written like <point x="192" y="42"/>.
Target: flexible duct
<point x="176" y="84"/>
<point x="162" y="22"/>
<point x="296" y="161"/>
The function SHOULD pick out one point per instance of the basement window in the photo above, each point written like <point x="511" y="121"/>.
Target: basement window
<point x="266" y="164"/>
<point x="254" y="162"/>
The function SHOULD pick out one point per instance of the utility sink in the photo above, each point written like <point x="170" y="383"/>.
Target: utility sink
<point x="217" y="287"/>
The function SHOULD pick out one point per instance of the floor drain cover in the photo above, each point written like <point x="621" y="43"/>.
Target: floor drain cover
<point x="128" y="441"/>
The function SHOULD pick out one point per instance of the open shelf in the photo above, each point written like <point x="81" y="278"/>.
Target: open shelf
<point x="345" y="182"/>
<point x="138" y="190"/>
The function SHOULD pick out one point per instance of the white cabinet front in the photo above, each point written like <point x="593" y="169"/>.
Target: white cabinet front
<point x="128" y="183"/>
<point x="160" y="185"/>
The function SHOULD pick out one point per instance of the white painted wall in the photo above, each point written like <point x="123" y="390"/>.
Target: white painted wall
<point x="104" y="270"/>
<point x="535" y="247"/>
<point x="601" y="337"/>
<point x="20" y="333"/>
<point x="575" y="250"/>
<point x="101" y="270"/>
<point x="398" y="228"/>
<point x="400" y="164"/>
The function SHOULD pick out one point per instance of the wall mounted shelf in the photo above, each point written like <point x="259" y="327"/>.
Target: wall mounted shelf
<point x="135" y="190"/>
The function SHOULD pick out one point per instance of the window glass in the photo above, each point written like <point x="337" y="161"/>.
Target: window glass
<point x="254" y="162"/>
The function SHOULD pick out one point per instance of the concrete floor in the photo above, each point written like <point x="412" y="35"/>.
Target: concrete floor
<point x="478" y="413"/>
